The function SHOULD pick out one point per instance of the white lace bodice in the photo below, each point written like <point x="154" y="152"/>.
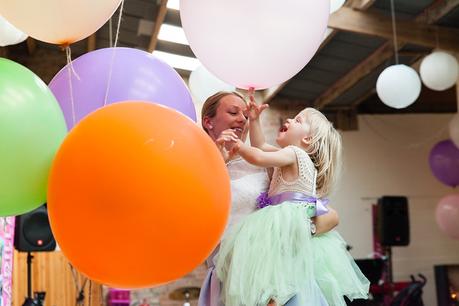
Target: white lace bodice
<point x="305" y="182"/>
<point x="247" y="182"/>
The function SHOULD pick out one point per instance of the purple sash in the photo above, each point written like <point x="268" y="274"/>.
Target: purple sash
<point x="264" y="200"/>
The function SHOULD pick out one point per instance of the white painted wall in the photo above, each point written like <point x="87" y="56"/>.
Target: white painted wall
<point x="388" y="155"/>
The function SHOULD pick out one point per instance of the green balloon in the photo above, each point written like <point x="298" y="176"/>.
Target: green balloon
<point x="32" y="128"/>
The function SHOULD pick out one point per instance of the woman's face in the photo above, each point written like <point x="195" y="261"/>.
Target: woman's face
<point x="231" y="114"/>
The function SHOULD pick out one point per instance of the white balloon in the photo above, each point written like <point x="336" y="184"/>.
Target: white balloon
<point x="9" y="35"/>
<point x="454" y="130"/>
<point x="254" y="43"/>
<point x="398" y="86"/>
<point x="60" y="22"/>
<point x="336" y="5"/>
<point x="203" y="84"/>
<point x="439" y="70"/>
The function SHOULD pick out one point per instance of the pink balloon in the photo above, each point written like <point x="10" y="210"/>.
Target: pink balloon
<point x="254" y="43"/>
<point x="447" y="215"/>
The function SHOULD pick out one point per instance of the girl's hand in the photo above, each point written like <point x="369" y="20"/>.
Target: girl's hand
<point x="254" y="109"/>
<point x="225" y="143"/>
<point x="236" y="147"/>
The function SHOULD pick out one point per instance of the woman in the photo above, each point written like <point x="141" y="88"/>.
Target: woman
<point x="224" y="116"/>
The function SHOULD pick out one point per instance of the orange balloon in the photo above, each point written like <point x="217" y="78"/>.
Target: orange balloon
<point x="138" y="195"/>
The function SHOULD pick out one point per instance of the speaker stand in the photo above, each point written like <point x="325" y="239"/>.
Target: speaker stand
<point x="40" y="296"/>
<point x="389" y="278"/>
<point x="29" y="300"/>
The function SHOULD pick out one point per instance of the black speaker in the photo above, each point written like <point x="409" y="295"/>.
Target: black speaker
<point x="393" y="221"/>
<point x="32" y="232"/>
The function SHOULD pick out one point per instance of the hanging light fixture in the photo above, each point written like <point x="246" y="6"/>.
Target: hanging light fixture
<point x="439" y="70"/>
<point x="398" y="86"/>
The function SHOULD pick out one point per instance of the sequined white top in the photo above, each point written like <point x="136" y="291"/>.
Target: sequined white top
<point x="247" y="182"/>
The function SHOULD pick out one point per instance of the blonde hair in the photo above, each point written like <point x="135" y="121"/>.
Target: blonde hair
<point x="325" y="150"/>
<point x="209" y="108"/>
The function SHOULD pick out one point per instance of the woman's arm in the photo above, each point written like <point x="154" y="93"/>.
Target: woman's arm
<point x="326" y="222"/>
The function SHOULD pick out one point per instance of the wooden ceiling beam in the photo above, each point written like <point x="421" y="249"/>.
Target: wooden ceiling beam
<point x="360" y="5"/>
<point x="376" y="24"/>
<point x="4" y="52"/>
<point x="31" y="45"/>
<point x="373" y="61"/>
<point x="383" y="53"/>
<point x="91" y="43"/>
<point x="437" y="10"/>
<point x="162" y="11"/>
<point x="269" y="93"/>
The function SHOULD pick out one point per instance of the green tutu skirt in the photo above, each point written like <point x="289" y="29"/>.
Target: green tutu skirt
<point x="270" y="255"/>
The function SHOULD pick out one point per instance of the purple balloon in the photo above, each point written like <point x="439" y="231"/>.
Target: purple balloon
<point x="444" y="162"/>
<point x="136" y="75"/>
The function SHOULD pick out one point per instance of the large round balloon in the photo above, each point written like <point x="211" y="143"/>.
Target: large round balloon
<point x="447" y="215"/>
<point x="254" y="43"/>
<point x="439" y="70"/>
<point x="204" y="84"/>
<point x="138" y="195"/>
<point x="398" y="86"/>
<point x="58" y="21"/>
<point x="9" y="35"/>
<point x="31" y="129"/>
<point x="444" y="162"/>
<point x="336" y="5"/>
<point x="135" y="75"/>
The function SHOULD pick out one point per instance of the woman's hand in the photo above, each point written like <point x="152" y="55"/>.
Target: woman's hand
<point x="326" y="222"/>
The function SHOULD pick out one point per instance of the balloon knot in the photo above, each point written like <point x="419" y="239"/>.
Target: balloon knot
<point x="64" y="45"/>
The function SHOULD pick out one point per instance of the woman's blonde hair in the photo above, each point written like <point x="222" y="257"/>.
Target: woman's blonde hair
<point x="209" y="108"/>
<point x="325" y="150"/>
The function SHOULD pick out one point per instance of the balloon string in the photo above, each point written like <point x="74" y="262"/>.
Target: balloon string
<point x="70" y="70"/>
<point x="68" y="52"/>
<point x="437" y="40"/>
<point x="394" y="30"/>
<point x="110" y="32"/>
<point x="112" y="60"/>
<point x="119" y="24"/>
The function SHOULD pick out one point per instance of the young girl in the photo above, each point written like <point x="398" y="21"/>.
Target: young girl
<point x="269" y="257"/>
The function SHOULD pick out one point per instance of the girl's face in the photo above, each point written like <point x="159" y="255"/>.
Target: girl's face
<point x="231" y="114"/>
<point x="294" y="131"/>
